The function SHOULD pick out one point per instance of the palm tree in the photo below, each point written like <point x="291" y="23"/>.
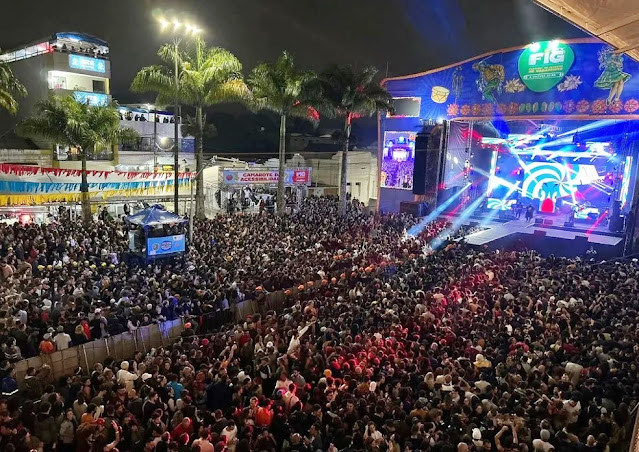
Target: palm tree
<point x="10" y="88"/>
<point x="287" y="91"/>
<point x="206" y="76"/>
<point x="348" y="93"/>
<point x="63" y="121"/>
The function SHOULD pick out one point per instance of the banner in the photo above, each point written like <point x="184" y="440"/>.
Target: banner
<point x="580" y="79"/>
<point x="21" y="184"/>
<point x="158" y="246"/>
<point x="297" y="176"/>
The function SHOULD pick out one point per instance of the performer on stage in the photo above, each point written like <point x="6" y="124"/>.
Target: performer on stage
<point x="530" y="212"/>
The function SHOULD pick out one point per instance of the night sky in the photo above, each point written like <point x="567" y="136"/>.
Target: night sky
<point x="406" y="36"/>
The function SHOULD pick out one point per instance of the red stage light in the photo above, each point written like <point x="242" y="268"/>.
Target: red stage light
<point x="548" y="206"/>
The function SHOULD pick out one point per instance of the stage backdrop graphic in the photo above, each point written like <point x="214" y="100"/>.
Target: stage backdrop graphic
<point x="583" y="78"/>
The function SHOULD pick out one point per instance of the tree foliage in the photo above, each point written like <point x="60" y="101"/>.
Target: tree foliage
<point x="10" y="89"/>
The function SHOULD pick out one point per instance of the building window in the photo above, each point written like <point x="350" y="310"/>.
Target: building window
<point x="58" y="82"/>
<point x="99" y="86"/>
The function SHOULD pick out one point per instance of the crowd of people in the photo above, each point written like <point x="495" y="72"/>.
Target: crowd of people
<point x="392" y="346"/>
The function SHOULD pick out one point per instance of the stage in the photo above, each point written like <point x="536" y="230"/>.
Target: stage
<point x="545" y="234"/>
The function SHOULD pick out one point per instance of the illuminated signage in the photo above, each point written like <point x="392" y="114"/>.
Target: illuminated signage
<point x="93" y="99"/>
<point x="158" y="246"/>
<point x="87" y="63"/>
<point x="544" y="64"/>
<point x="300" y="176"/>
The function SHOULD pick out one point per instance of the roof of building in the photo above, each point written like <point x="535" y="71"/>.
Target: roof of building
<point x="615" y="22"/>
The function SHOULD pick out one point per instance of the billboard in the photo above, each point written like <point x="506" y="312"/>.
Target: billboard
<point x="159" y="246"/>
<point x="297" y="176"/>
<point x="89" y="64"/>
<point x="93" y="99"/>
<point x="584" y="78"/>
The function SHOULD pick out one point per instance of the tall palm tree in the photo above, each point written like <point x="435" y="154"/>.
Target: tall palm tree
<point x="287" y="91"/>
<point x="63" y="121"/>
<point x="10" y="89"/>
<point x="206" y="76"/>
<point x="350" y="94"/>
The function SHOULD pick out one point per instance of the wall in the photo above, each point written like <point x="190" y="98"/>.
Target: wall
<point x="31" y="72"/>
<point x="390" y="199"/>
<point x="76" y="82"/>
<point x="38" y="157"/>
<point x="362" y="173"/>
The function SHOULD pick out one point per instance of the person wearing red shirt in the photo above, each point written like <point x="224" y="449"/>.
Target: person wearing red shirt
<point x="186" y="426"/>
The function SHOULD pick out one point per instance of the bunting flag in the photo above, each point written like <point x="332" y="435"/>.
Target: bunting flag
<point x="28" y="185"/>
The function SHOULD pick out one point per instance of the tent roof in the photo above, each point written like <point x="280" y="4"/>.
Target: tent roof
<point x="613" y="21"/>
<point x="154" y="216"/>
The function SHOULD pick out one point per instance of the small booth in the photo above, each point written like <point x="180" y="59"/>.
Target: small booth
<point x="241" y="189"/>
<point x="156" y="234"/>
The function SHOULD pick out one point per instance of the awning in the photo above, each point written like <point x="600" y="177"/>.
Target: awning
<point x="154" y="216"/>
<point x="613" y="21"/>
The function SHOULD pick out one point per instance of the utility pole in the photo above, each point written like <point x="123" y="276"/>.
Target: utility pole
<point x="176" y="146"/>
<point x="155" y="141"/>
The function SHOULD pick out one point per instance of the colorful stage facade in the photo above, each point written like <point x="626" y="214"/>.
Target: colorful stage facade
<point x="552" y="126"/>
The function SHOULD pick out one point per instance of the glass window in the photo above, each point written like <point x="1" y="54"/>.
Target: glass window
<point x="99" y="86"/>
<point x="58" y="82"/>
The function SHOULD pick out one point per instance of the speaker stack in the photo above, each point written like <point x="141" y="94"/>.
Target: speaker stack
<point x="425" y="172"/>
<point x="616" y="220"/>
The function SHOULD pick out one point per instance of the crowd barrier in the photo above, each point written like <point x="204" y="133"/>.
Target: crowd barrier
<point x="125" y="345"/>
<point x="119" y="347"/>
<point x="634" y="440"/>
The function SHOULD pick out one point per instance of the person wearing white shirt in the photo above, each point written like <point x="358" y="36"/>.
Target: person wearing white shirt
<point x="126" y="377"/>
<point x="295" y="342"/>
<point x="289" y="398"/>
<point x="61" y="339"/>
<point x="373" y="433"/>
<point x="283" y="382"/>
<point x="229" y="433"/>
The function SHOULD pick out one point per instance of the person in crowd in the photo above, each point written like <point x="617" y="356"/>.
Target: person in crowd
<point x="379" y="341"/>
<point x="66" y="434"/>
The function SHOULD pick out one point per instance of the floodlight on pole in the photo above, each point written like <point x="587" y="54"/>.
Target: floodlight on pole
<point x="179" y="29"/>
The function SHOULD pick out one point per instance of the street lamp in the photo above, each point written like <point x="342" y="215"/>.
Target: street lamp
<point x="179" y="30"/>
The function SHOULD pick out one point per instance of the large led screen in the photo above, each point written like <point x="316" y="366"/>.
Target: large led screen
<point x="581" y="179"/>
<point x="398" y="160"/>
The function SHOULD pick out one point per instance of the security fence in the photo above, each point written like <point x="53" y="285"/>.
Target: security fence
<point x="124" y="346"/>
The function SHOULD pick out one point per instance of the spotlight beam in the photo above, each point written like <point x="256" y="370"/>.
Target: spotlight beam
<point x="419" y="227"/>
<point x="437" y="241"/>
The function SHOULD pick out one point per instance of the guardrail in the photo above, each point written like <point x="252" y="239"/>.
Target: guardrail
<point x="121" y="346"/>
<point x="125" y="345"/>
<point x="634" y="440"/>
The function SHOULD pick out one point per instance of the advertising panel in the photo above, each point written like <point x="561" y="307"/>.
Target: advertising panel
<point x="158" y="246"/>
<point x="582" y="78"/>
<point x="89" y="64"/>
<point x="297" y="176"/>
<point x="93" y="99"/>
